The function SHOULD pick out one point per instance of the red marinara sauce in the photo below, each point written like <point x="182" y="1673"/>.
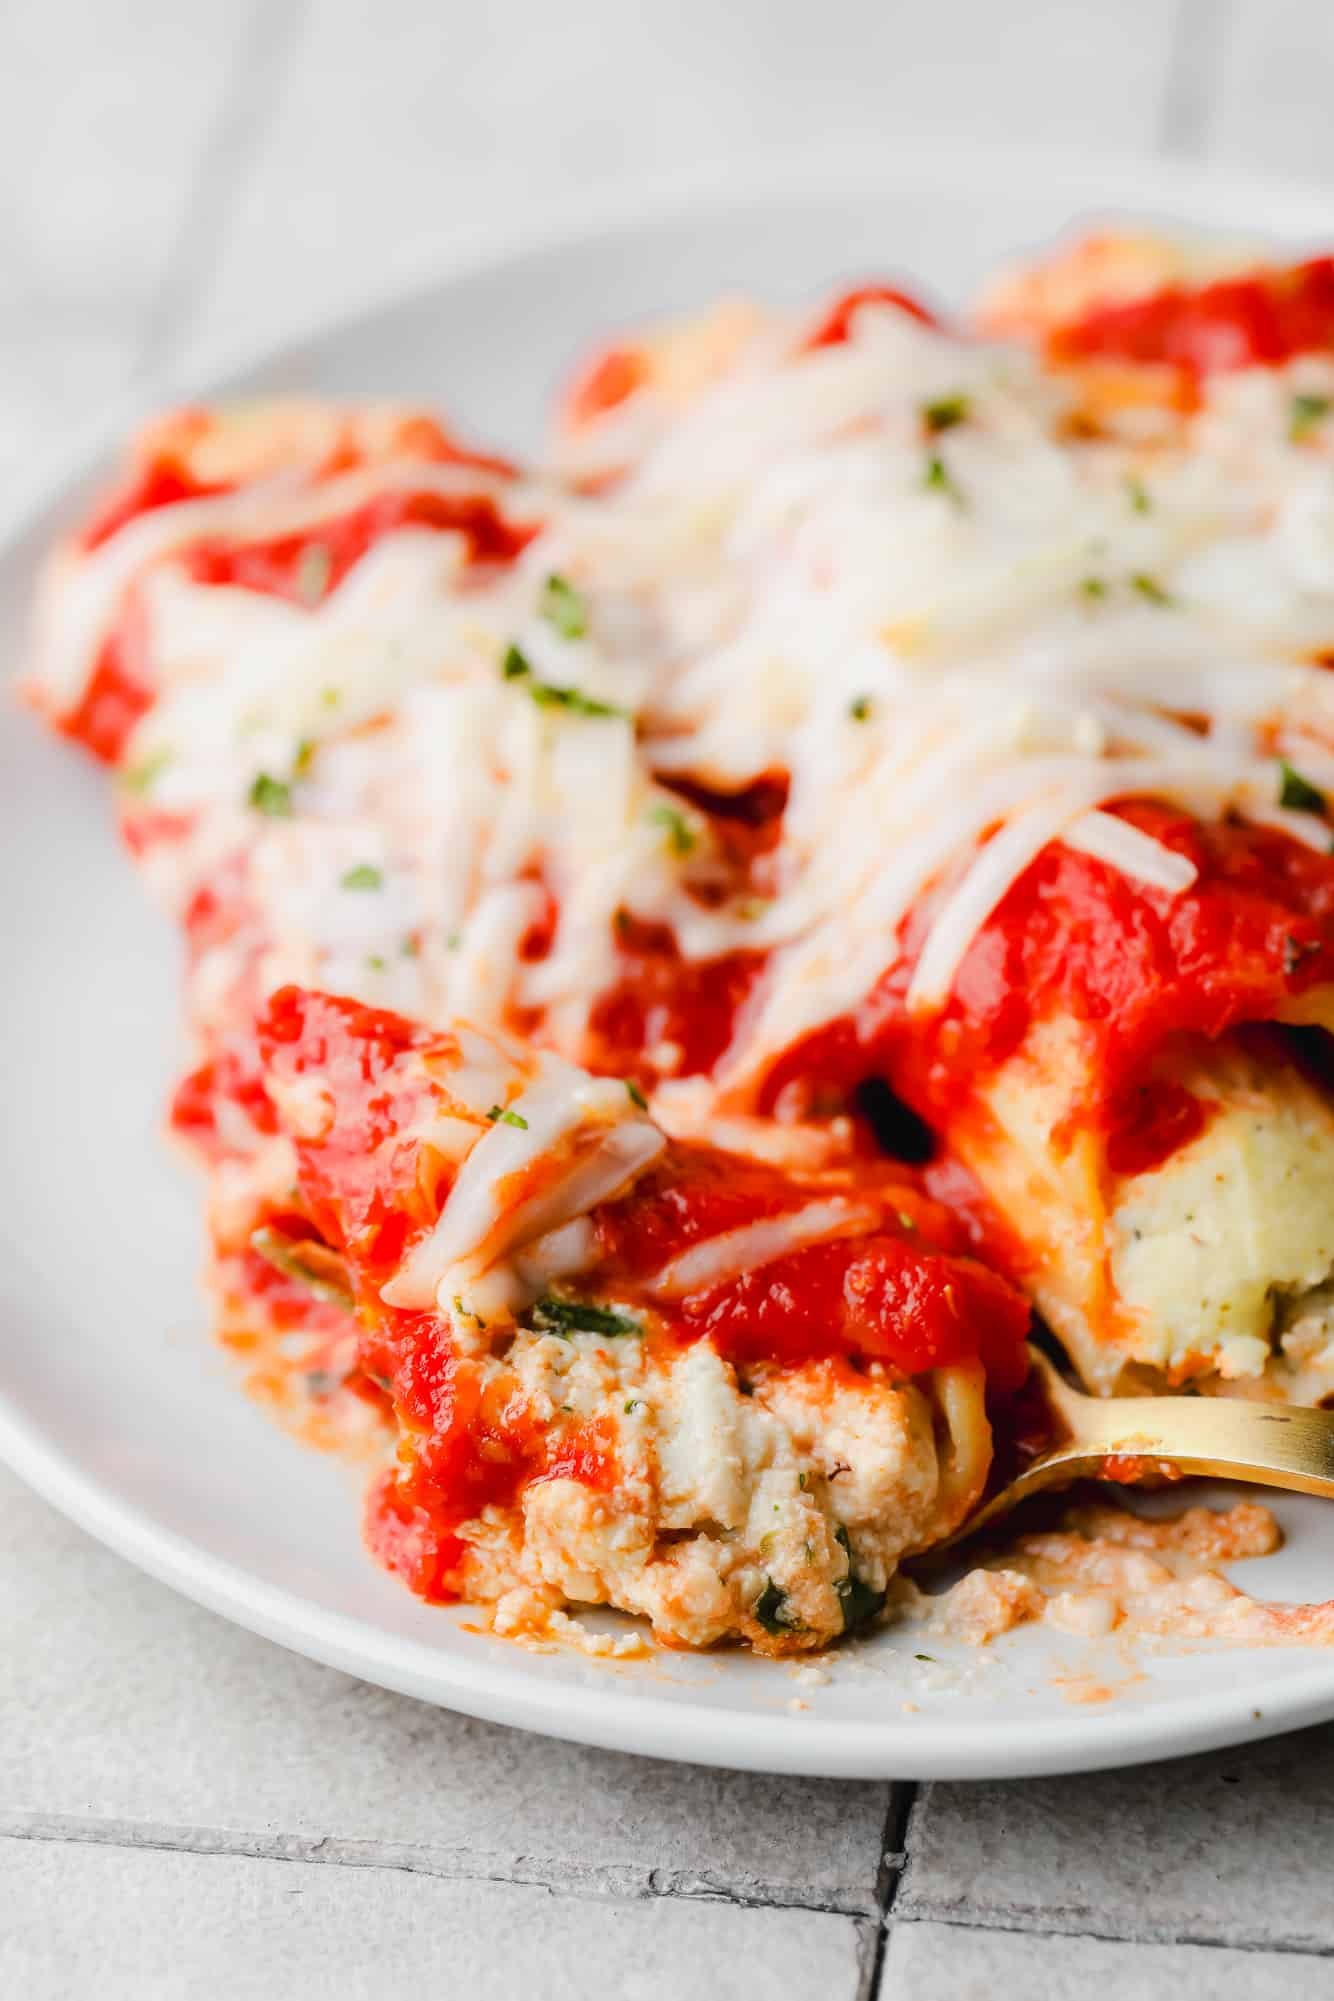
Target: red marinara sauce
<point x="1257" y="320"/>
<point x="901" y="1293"/>
<point x="305" y="567"/>
<point x="836" y="326"/>
<point x="1133" y="965"/>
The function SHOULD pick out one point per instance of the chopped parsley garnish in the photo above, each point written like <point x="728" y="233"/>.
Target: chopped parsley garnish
<point x="858" y="1600"/>
<point x="272" y="796"/>
<point x="861" y="708"/>
<point x="1138" y="495"/>
<point x="142" y="777"/>
<point x="563" y="607"/>
<point x="636" y="1095"/>
<point x="771" y="1609"/>
<point x="1296" y="951"/>
<point x="1150" y="589"/>
<point x="410" y="947"/>
<point x="549" y="695"/>
<point x="554" y="1315"/>
<point x="453" y="941"/>
<point x="364" y="876"/>
<point x="313" y="572"/>
<point x="937" y="479"/>
<point x="310" y="1264"/>
<point x="680" y="833"/>
<point x="1297" y="792"/>
<point x="330" y="697"/>
<point x="925" y="1657"/>
<point x="1305" y="413"/>
<point x="305" y="757"/>
<point x="632" y="1406"/>
<point x="945" y="412"/>
<point x="1093" y="587"/>
<point x="376" y="962"/>
<point x="500" y="1117"/>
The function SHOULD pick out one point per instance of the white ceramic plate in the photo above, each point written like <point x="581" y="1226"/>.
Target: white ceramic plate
<point x="113" y="1402"/>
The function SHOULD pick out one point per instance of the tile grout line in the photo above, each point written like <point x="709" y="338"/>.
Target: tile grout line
<point x="626" y="1885"/>
<point x="1194" y="70"/>
<point x="249" y="94"/>
<point x="894" y="1840"/>
<point x="1065" y="1924"/>
<point x="613" y="1881"/>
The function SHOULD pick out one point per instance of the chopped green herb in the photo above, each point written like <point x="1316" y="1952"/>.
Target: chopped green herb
<point x="1297" y="792"/>
<point x="271" y="796"/>
<point x="140" y="778"/>
<point x="574" y="701"/>
<point x="376" y="962"/>
<point x="330" y="697"/>
<point x="937" y="479"/>
<point x="1305" y="413"/>
<point x="801" y="1481"/>
<point x="305" y="756"/>
<point x="945" y="412"/>
<point x="410" y="947"/>
<point x="925" y="1657"/>
<point x="1138" y="495"/>
<point x="500" y="1117"/>
<point x="1296" y="951"/>
<point x="311" y="1264"/>
<point x="908" y="1222"/>
<point x="861" y="708"/>
<point x="1150" y="588"/>
<point x="313" y="572"/>
<point x="771" y="1609"/>
<point x="858" y="1600"/>
<point x="549" y="695"/>
<point x="636" y="1095"/>
<point x="364" y="876"/>
<point x="632" y="1406"/>
<point x="1093" y="587"/>
<point x="563" y="607"/>
<point x="680" y="833"/>
<point x="554" y="1315"/>
<point x="453" y="940"/>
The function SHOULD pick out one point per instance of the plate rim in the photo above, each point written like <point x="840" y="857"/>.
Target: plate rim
<point x="602" y="1713"/>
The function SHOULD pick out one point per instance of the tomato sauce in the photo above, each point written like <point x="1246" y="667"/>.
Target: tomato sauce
<point x="902" y="1294"/>
<point x="609" y="380"/>
<point x="305" y="567"/>
<point x="161" y="482"/>
<point x="1258" y="320"/>
<point x="118" y="691"/>
<point x="836" y="326"/>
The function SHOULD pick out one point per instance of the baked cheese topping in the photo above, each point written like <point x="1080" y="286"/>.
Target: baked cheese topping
<point x="896" y="570"/>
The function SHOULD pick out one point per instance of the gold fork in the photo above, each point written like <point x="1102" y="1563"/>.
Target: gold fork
<point x="1273" y="1445"/>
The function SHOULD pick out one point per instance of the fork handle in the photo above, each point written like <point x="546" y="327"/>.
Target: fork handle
<point x="1273" y="1445"/>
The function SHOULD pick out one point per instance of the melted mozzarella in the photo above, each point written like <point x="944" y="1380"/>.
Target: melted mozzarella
<point x="546" y="1156"/>
<point x="958" y="648"/>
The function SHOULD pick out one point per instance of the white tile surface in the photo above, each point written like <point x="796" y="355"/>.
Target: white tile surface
<point x="1193" y="1849"/>
<point x="126" y="1925"/>
<point x="120" y="1701"/>
<point x="954" y="1963"/>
